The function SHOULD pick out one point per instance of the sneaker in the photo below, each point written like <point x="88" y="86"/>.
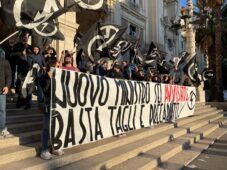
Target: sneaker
<point x="45" y="155"/>
<point x="4" y="133"/>
<point x="58" y="152"/>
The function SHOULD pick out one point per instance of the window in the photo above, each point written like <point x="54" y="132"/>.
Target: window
<point x="182" y="45"/>
<point x="132" y="30"/>
<point x="133" y="1"/>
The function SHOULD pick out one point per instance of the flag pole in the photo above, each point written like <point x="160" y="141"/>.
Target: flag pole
<point x="9" y="37"/>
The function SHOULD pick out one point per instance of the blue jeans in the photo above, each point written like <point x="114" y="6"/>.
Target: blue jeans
<point x="2" y="112"/>
<point x="45" y="132"/>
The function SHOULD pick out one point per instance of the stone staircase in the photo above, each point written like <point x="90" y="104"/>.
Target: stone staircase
<point x="165" y="146"/>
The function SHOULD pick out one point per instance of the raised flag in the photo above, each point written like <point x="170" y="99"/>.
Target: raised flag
<point x="34" y="15"/>
<point x="99" y="39"/>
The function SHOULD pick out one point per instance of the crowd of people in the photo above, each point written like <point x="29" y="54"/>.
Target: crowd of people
<point x="17" y="58"/>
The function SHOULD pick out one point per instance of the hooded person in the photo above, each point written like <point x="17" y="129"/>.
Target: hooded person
<point x="36" y="58"/>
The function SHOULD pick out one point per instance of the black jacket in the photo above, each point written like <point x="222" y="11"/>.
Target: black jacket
<point x="5" y="74"/>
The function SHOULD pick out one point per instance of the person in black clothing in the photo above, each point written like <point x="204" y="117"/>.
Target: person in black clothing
<point x="45" y="83"/>
<point x="38" y="58"/>
<point x="49" y="52"/>
<point x="115" y="72"/>
<point x="126" y="70"/>
<point x="5" y="82"/>
<point x="22" y="70"/>
<point x="8" y="48"/>
<point x="103" y="69"/>
<point x="165" y="79"/>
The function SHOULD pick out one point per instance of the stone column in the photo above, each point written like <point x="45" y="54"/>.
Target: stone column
<point x="68" y="26"/>
<point x="189" y="35"/>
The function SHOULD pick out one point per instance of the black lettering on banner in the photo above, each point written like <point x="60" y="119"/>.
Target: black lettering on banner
<point x="88" y="110"/>
<point x="129" y="118"/>
<point x="148" y="93"/>
<point x="164" y="112"/>
<point x="94" y="93"/>
<point x="141" y="116"/>
<point x="70" y="130"/>
<point x="169" y="111"/>
<point x="131" y="92"/>
<point x="86" y="84"/>
<point x="143" y="93"/>
<point x="160" y="112"/>
<point x="111" y="118"/>
<point x="55" y="99"/>
<point x="75" y="84"/>
<point x="128" y="94"/>
<point x="158" y="93"/>
<point x="151" y="118"/>
<point x="84" y="132"/>
<point x="136" y="94"/>
<point x="124" y="93"/>
<point x="56" y="117"/>
<point x="118" y="121"/>
<point x="102" y="103"/>
<point x="134" y="117"/>
<point x="125" y="127"/>
<point x="98" y="129"/>
<point x="153" y="109"/>
<point x="140" y="93"/>
<point x="117" y="93"/>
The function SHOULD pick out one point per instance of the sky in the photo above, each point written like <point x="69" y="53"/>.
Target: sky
<point x="183" y="2"/>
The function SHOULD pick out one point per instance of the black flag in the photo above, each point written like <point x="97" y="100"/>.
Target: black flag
<point x="99" y="39"/>
<point x="191" y="70"/>
<point x="86" y="4"/>
<point x="34" y="15"/>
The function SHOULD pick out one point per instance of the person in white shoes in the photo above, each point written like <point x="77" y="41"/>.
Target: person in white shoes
<point x="45" y="83"/>
<point x="5" y="83"/>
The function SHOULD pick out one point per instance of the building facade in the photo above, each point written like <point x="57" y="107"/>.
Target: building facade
<point x="169" y="40"/>
<point x="147" y="20"/>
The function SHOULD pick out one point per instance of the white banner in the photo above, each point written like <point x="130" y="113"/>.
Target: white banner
<point x="86" y="108"/>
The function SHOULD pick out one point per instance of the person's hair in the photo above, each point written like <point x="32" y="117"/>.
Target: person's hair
<point x="36" y="46"/>
<point x="51" y="61"/>
<point x="67" y="55"/>
<point x="65" y="52"/>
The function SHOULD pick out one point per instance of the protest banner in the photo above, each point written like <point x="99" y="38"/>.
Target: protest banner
<point x="86" y="108"/>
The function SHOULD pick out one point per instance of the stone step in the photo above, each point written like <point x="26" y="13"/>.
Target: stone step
<point x="21" y="139"/>
<point x="199" y="123"/>
<point x="112" y="153"/>
<point x="152" y="158"/>
<point x="18" y="153"/>
<point x="190" y="119"/>
<point x="23" y="118"/>
<point x="18" y="111"/>
<point x="132" y="139"/>
<point x="24" y="127"/>
<point x="114" y="157"/>
<point x="200" y="104"/>
<point x="202" y="108"/>
<point x="184" y="157"/>
<point x="13" y="105"/>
